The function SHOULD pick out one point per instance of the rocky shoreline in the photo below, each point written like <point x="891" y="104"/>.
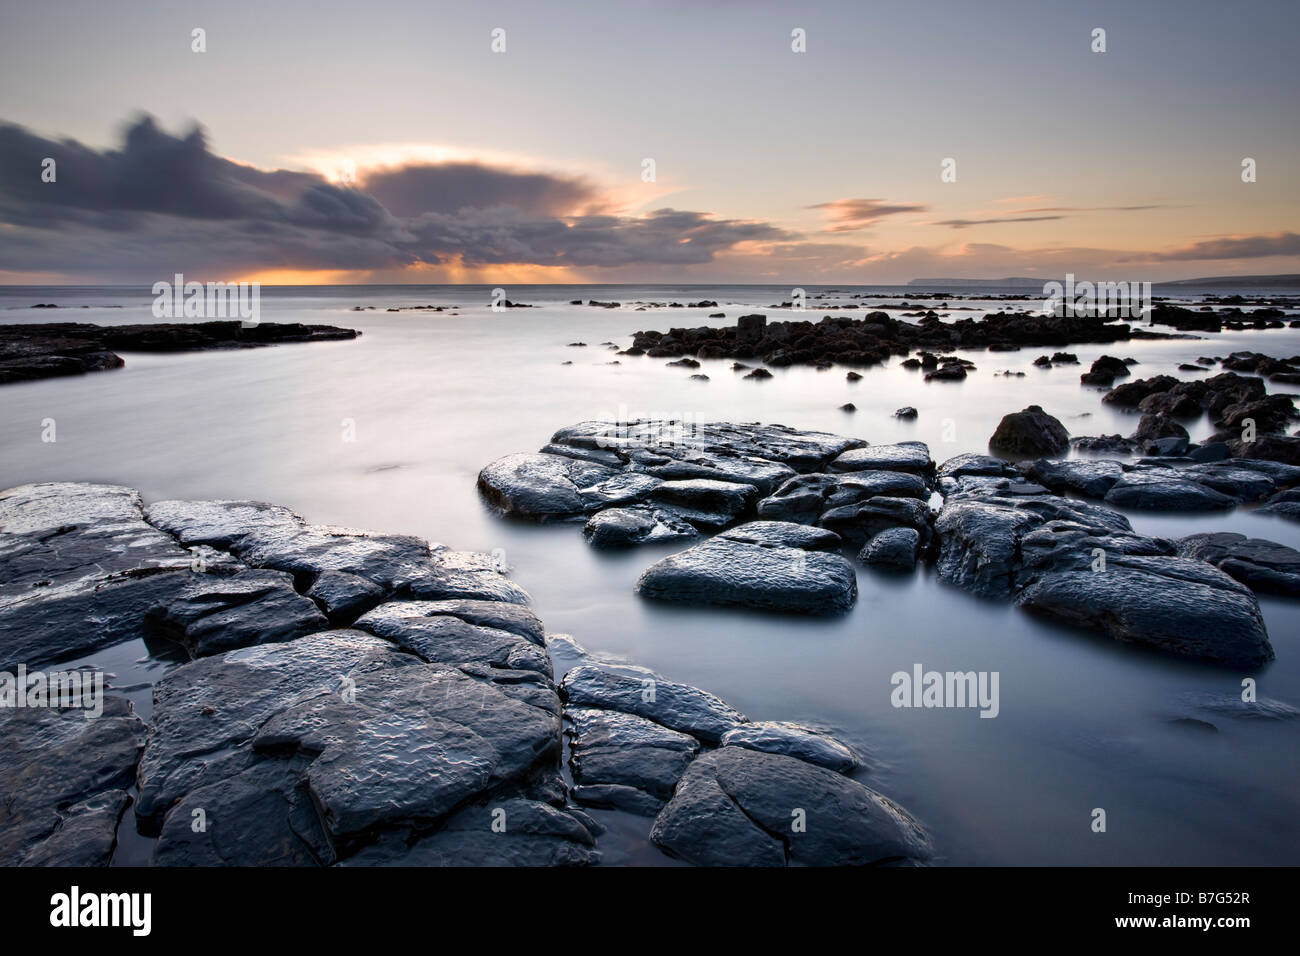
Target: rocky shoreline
<point x="364" y="699"/>
<point x="35" y="351"/>
<point x="775" y="511"/>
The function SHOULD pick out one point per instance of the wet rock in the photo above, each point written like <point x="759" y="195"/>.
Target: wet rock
<point x="1090" y="478"/>
<point x="907" y="412"/>
<point x="892" y="548"/>
<point x="63" y="774"/>
<point x="1176" y="605"/>
<point x="625" y="527"/>
<point x="759" y="373"/>
<point x="541" y="486"/>
<point x="459" y="633"/>
<point x="42" y="350"/>
<point x="767" y="565"/>
<point x="1159" y="489"/>
<point x="1029" y="434"/>
<point x="643" y="693"/>
<point x="858" y="523"/>
<point x="1104" y="371"/>
<point x="79" y="568"/>
<point x="973" y="464"/>
<point x="704" y="502"/>
<point x="375" y="736"/>
<point x="343" y="597"/>
<point x="268" y="536"/>
<point x="215" y="613"/>
<point x="611" y="748"/>
<point x="911" y="456"/>
<point x="1284" y="504"/>
<point x="805" y="498"/>
<point x="1043" y="551"/>
<point x="1265" y="567"/>
<point x="793" y="740"/>
<point x="535" y="834"/>
<point x="736" y="806"/>
<point x="1267" y="447"/>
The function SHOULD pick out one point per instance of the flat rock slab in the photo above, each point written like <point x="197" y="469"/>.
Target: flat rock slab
<point x="766" y="565"/>
<point x="217" y="613"/>
<point x="793" y="740"/>
<point x="1082" y="564"/>
<point x="64" y="776"/>
<point x="910" y="456"/>
<point x="742" y="807"/>
<point x="1265" y="567"/>
<point x="611" y="748"/>
<point x="625" y="527"/>
<point x="79" y="568"/>
<point x="452" y="633"/>
<point x="643" y="693"/>
<point x="512" y="832"/>
<point x="360" y="734"/>
<point x="657" y="474"/>
<point x="805" y="498"/>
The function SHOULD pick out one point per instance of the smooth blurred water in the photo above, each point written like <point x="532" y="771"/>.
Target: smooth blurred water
<point x="435" y="396"/>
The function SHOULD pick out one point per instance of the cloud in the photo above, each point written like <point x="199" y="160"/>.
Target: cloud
<point x="1228" y="247"/>
<point x="164" y="203"/>
<point x="964" y="223"/>
<point x="849" y="215"/>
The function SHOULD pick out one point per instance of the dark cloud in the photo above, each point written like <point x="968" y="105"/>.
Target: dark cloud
<point x="964" y="223"/>
<point x="165" y="203"/>
<point x="449" y="187"/>
<point x="848" y="215"/>
<point x="1239" y="247"/>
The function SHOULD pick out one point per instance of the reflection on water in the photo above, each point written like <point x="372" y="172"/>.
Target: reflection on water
<point x="434" y="397"/>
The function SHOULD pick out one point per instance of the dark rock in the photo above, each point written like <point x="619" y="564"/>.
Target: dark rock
<point x="459" y="632"/>
<point x="911" y="456"/>
<point x="343" y="597"/>
<point x="34" y="351"/>
<point x="625" y="527"/>
<point x="1158" y="489"/>
<point x="766" y="565"/>
<point x="611" y="748"/>
<point x="1104" y="371"/>
<point x="1042" y="551"/>
<point x="215" y="614"/>
<point x="64" y="775"/>
<point x="372" y="735"/>
<point x="643" y="693"/>
<point x="793" y="740"/>
<point x="892" y="548"/>
<point x="1092" y="479"/>
<point x="906" y="412"/>
<point x="740" y="807"/>
<point x="858" y="523"/>
<point x="79" y="568"/>
<point x="1029" y="434"/>
<point x="1265" y="567"/>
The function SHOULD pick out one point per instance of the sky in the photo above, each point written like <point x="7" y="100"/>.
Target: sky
<point x="652" y="141"/>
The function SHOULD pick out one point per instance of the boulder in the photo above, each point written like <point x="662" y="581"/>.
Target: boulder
<point x="635" y="690"/>
<point x="743" y="807"/>
<point x="892" y="548"/>
<point x="1265" y="567"/>
<point x="64" y="775"/>
<point x="1029" y="434"/>
<point x="793" y="740"/>
<point x="908" y="456"/>
<point x="765" y="565"/>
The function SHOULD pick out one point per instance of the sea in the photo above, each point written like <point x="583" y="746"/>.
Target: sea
<point x="427" y="398"/>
